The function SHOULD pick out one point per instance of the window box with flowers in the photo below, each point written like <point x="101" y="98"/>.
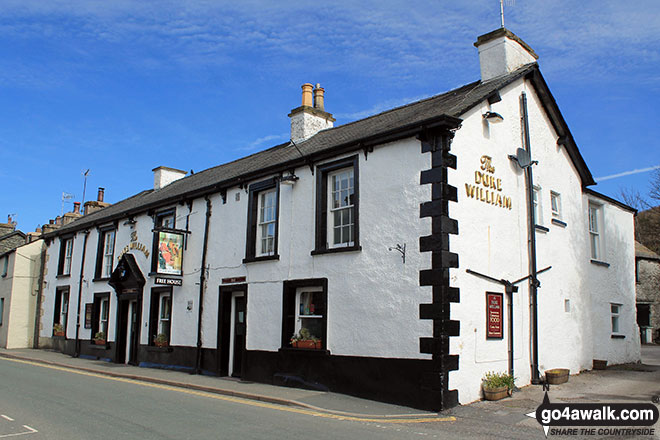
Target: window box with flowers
<point x="304" y="339"/>
<point x="161" y="340"/>
<point x="100" y="338"/>
<point x="58" y="330"/>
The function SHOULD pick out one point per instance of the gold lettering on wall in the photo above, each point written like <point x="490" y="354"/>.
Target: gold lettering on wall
<point x="487" y="188"/>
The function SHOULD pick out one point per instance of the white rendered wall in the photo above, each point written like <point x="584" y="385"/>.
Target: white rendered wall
<point x="21" y="308"/>
<point x="493" y="241"/>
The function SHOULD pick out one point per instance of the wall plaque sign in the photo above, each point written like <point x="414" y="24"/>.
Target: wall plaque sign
<point x="233" y="280"/>
<point x="487" y="187"/>
<point x="494" y="315"/>
<point x="169" y="281"/>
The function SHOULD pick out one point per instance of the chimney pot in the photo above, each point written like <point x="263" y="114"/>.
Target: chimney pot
<point x="76" y="207"/>
<point x="101" y="193"/>
<point x="51" y="222"/>
<point x="318" y="97"/>
<point x="307" y="95"/>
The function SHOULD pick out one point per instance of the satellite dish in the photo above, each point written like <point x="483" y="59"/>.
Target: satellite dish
<point x="523" y="158"/>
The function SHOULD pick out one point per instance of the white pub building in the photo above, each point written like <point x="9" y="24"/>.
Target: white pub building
<point x="399" y="257"/>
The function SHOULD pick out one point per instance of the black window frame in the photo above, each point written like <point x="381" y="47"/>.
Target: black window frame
<point x="321" y="235"/>
<point x="253" y="219"/>
<point x="98" y="272"/>
<point x="154" y="315"/>
<point x="60" y="291"/>
<point x="96" y="313"/>
<point x="289" y="312"/>
<point x="158" y="227"/>
<point x="60" y="264"/>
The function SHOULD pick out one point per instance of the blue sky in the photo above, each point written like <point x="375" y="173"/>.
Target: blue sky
<point x="122" y="87"/>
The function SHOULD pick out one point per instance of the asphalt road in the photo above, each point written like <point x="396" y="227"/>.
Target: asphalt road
<point x="45" y="402"/>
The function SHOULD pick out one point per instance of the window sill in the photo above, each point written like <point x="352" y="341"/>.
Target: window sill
<point x="600" y="263"/>
<point x="94" y="346"/>
<point x="264" y="258"/>
<point x="541" y="228"/>
<point x="306" y="351"/>
<point x="558" y="223"/>
<point x="101" y="279"/>
<point x="154" y="349"/>
<point x="618" y="336"/>
<point x="68" y="275"/>
<point x="336" y="250"/>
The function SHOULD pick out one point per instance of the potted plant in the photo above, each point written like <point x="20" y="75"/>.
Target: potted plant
<point x="58" y="330"/>
<point x="557" y="375"/>
<point x="99" y="338"/>
<point x="304" y="339"/>
<point x="161" y="340"/>
<point x="497" y="386"/>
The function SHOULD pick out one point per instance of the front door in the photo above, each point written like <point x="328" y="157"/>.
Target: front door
<point x="128" y="330"/>
<point x="237" y="338"/>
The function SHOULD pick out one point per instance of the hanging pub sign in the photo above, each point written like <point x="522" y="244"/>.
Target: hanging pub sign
<point x="494" y="315"/>
<point x="170" y="253"/>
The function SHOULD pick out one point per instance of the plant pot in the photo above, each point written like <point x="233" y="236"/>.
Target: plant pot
<point x="161" y="344"/>
<point x="99" y="341"/>
<point x="496" y="393"/>
<point x="58" y="333"/>
<point x="557" y="376"/>
<point x="600" y="364"/>
<point x="307" y="344"/>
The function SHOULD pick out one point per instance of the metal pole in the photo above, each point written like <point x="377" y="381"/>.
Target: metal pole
<point x="533" y="282"/>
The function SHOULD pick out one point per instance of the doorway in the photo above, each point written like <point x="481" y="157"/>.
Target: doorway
<point x="232" y="330"/>
<point x="128" y="326"/>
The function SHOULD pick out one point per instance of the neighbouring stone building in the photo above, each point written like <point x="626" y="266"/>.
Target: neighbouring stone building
<point x="647" y="276"/>
<point x="399" y="257"/>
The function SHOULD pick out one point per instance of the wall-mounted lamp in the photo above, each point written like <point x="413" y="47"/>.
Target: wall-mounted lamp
<point x="130" y="222"/>
<point x="493" y="117"/>
<point x="401" y="249"/>
<point x="289" y="179"/>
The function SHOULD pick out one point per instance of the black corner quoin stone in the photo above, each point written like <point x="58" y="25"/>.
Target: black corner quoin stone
<point x="435" y="385"/>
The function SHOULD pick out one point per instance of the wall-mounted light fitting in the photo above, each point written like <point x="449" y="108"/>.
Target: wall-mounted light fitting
<point x="131" y="221"/>
<point x="289" y="179"/>
<point x="493" y="117"/>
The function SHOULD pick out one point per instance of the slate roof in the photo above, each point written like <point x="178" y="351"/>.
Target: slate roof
<point x="642" y="251"/>
<point x="448" y="106"/>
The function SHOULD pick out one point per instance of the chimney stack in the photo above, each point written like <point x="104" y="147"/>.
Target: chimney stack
<point x="96" y="205"/>
<point x="163" y="176"/>
<point x="318" y="97"/>
<point x="501" y="52"/>
<point x="310" y="117"/>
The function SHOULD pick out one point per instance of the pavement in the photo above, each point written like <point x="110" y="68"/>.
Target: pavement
<point x="624" y="383"/>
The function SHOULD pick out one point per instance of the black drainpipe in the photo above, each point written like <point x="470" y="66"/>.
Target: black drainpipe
<point x="533" y="282"/>
<point x="80" y="284"/>
<point x="202" y="286"/>
<point x="40" y="292"/>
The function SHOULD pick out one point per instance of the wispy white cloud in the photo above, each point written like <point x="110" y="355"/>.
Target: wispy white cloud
<point x="260" y="142"/>
<point x="627" y="173"/>
<point x="378" y="108"/>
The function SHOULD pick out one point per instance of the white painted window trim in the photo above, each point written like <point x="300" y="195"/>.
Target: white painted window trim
<point x="595" y="225"/>
<point x="103" y="316"/>
<point x="556" y="210"/>
<point x="68" y="255"/>
<point x="537" y="202"/>
<point x="108" y="253"/>
<point x="162" y="319"/>
<point x="265" y="243"/>
<point x="616" y="318"/>
<point x="331" y="210"/>
<point x="300" y="316"/>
